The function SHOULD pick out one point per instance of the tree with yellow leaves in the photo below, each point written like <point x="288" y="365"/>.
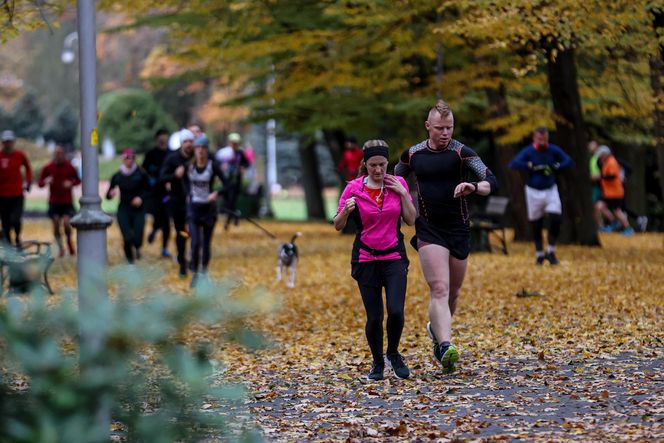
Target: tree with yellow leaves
<point x="373" y="67"/>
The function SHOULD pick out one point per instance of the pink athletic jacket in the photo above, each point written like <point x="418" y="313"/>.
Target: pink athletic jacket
<point x="377" y="228"/>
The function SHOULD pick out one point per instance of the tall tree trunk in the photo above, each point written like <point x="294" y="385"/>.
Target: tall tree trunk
<point x="575" y="186"/>
<point x="656" y="76"/>
<point x="336" y="140"/>
<point x="313" y="186"/>
<point x="513" y="182"/>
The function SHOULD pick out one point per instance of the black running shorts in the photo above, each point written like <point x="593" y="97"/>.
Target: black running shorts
<point x="455" y="239"/>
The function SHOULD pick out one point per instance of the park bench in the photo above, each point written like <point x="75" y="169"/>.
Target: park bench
<point x="490" y="222"/>
<point x="25" y="266"/>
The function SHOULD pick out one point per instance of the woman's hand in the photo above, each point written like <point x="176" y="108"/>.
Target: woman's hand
<point x="349" y="206"/>
<point x="136" y="202"/>
<point x="393" y="184"/>
<point x="342" y="217"/>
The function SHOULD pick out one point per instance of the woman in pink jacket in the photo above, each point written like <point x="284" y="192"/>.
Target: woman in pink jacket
<point x="377" y="202"/>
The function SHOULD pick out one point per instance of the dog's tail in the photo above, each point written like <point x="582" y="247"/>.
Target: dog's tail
<point x="295" y="236"/>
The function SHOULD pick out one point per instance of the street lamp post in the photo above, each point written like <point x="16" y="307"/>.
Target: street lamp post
<point x="91" y="222"/>
<point x="270" y="164"/>
<point x="68" y="54"/>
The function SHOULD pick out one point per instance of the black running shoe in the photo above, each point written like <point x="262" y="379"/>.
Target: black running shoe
<point x="551" y="256"/>
<point x="437" y="353"/>
<point x="540" y="260"/>
<point x="431" y="334"/>
<point x="376" y="372"/>
<point x="398" y="366"/>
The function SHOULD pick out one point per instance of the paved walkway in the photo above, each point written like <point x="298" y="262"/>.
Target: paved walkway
<point x="608" y="399"/>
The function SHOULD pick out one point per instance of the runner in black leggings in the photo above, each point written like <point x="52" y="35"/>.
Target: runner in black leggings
<point x="202" y="208"/>
<point x="133" y="184"/>
<point x="377" y="202"/>
<point x="174" y="178"/>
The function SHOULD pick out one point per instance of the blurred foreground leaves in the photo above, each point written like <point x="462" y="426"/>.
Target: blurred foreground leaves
<point x="157" y="380"/>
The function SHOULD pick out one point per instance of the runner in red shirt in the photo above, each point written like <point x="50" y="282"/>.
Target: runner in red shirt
<point x="350" y="161"/>
<point x="12" y="186"/>
<point x="61" y="176"/>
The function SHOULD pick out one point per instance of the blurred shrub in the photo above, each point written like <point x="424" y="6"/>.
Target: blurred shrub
<point x="130" y="117"/>
<point x="64" y="128"/>
<point x="148" y="369"/>
<point x="27" y="118"/>
<point x="5" y="119"/>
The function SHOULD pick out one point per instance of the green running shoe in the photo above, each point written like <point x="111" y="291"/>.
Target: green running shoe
<point x="449" y="358"/>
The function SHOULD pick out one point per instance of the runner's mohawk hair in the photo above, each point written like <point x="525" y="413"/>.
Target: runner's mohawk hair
<point x="441" y="108"/>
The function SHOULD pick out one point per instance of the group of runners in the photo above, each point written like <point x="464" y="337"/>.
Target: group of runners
<point x="182" y="186"/>
<point x="446" y="172"/>
<point x="377" y="202"/>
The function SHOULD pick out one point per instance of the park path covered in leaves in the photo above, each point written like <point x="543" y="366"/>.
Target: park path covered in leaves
<point x="583" y="360"/>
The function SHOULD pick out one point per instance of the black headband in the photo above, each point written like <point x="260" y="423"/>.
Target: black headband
<point x="375" y="150"/>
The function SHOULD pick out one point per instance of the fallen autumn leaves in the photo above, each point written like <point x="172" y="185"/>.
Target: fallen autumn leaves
<point x="583" y="360"/>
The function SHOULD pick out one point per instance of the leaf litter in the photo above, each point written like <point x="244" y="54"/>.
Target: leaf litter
<point x="578" y="355"/>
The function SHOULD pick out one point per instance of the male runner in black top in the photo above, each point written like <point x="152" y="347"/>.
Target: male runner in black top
<point x="155" y="205"/>
<point x="173" y="176"/>
<point x="441" y="166"/>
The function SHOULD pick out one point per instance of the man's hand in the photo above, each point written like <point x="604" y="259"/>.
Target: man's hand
<point x="464" y="189"/>
<point x="212" y="197"/>
<point x="136" y="202"/>
<point x="66" y="184"/>
<point x="179" y="171"/>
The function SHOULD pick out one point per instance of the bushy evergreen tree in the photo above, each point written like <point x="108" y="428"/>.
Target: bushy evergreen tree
<point x="27" y="119"/>
<point x="65" y="125"/>
<point x="5" y="119"/>
<point x="130" y="118"/>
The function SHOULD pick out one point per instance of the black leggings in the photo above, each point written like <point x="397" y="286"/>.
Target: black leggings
<point x="132" y="222"/>
<point x="179" y="216"/>
<point x="232" y="193"/>
<point x="201" y="226"/>
<point x="371" y="278"/>
<point x="553" y="230"/>
<point x="161" y="220"/>
<point x="11" y="212"/>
